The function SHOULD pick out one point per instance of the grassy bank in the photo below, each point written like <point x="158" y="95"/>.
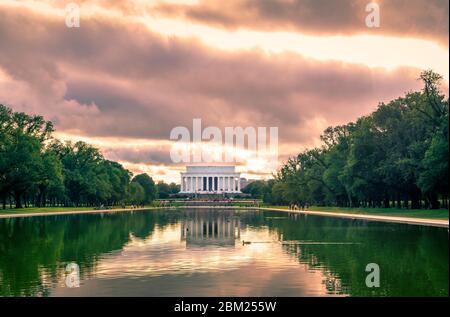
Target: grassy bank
<point x="11" y="211"/>
<point x="31" y="210"/>
<point x="393" y="212"/>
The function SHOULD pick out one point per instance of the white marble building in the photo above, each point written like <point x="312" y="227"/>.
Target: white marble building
<point x="210" y="180"/>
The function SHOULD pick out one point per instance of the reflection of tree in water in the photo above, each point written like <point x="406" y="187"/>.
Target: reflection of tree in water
<point x="413" y="259"/>
<point x="35" y="250"/>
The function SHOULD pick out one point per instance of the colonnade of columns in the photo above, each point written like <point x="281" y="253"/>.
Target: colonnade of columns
<point x="219" y="228"/>
<point x="210" y="184"/>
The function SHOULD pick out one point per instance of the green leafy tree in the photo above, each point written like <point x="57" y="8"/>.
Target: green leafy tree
<point x="22" y="138"/>
<point x="136" y="194"/>
<point x="148" y="185"/>
<point x="395" y="156"/>
<point x="163" y="190"/>
<point x="174" y="188"/>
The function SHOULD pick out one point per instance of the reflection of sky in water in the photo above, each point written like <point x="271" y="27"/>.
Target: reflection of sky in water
<point x="200" y="253"/>
<point x="163" y="265"/>
<point x="164" y="253"/>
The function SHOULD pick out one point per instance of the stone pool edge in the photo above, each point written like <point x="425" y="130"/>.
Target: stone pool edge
<point x="393" y="219"/>
<point x="404" y="220"/>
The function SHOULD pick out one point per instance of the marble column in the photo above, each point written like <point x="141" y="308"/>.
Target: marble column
<point x="219" y="224"/>
<point x="201" y="229"/>
<point x="194" y="182"/>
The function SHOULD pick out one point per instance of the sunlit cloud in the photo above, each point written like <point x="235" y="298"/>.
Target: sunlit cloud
<point x="134" y="70"/>
<point x="373" y="51"/>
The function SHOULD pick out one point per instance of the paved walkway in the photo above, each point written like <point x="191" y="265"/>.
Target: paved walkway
<point x="407" y="220"/>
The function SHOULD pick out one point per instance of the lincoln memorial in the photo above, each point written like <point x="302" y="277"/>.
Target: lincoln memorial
<point x="210" y="180"/>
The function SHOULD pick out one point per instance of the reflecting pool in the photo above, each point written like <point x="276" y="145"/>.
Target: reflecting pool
<point x="202" y="252"/>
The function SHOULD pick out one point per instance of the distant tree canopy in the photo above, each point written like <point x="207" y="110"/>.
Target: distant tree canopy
<point x="396" y="156"/>
<point x="166" y="190"/>
<point x="37" y="170"/>
<point x="148" y="185"/>
<point x="257" y="189"/>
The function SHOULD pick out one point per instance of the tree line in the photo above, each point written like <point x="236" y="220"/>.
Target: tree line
<point x="38" y="170"/>
<point x="395" y="157"/>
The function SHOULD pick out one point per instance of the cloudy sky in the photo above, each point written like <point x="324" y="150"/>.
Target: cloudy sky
<point x="136" y="69"/>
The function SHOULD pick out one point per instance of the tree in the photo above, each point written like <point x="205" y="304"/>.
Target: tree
<point x="163" y="190"/>
<point x="49" y="178"/>
<point x="119" y="178"/>
<point x="174" y="188"/>
<point x="37" y="169"/>
<point x="89" y="179"/>
<point x="397" y="155"/>
<point x="136" y="194"/>
<point x="256" y="189"/>
<point x="22" y="140"/>
<point x="148" y="185"/>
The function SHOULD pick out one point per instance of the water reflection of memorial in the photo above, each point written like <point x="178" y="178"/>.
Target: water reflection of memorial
<point x="204" y="228"/>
